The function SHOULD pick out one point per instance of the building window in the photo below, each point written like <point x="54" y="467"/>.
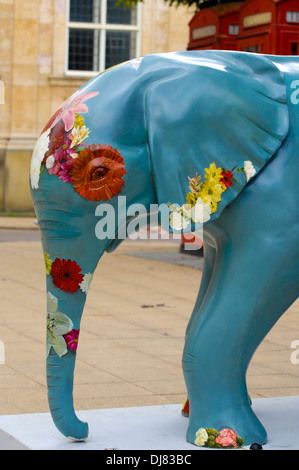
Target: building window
<point x="292" y="17"/>
<point x="233" y="29"/>
<point x="101" y="35"/>
<point x="294" y="48"/>
<point x="255" y="49"/>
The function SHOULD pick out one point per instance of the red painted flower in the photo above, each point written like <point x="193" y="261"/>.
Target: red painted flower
<point x="227" y="438"/>
<point x="57" y="137"/>
<point x="71" y="340"/>
<point x="66" y="275"/>
<point x="97" y="172"/>
<point x="227" y="177"/>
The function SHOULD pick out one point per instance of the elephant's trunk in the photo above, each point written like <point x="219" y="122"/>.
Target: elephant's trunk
<point x="67" y="286"/>
<point x="60" y="374"/>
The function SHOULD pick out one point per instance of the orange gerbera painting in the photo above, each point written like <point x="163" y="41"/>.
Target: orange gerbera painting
<point x="97" y="172"/>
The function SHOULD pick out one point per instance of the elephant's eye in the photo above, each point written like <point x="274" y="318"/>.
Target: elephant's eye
<point x="99" y="174"/>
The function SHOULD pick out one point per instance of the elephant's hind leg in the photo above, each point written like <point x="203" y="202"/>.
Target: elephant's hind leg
<point x="209" y="263"/>
<point x="246" y="296"/>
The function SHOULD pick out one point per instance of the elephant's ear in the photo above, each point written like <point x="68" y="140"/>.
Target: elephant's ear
<point x="227" y="111"/>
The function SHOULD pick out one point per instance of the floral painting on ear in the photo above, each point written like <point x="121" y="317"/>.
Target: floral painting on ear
<point x="95" y="171"/>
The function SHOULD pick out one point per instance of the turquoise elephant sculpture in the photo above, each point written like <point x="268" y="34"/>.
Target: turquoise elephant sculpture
<point x="213" y="137"/>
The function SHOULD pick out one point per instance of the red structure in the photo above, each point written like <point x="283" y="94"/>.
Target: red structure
<point x="262" y="26"/>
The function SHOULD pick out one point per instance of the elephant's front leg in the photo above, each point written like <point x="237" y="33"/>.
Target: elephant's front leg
<point x="244" y="301"/>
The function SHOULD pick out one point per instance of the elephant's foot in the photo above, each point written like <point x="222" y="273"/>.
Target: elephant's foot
<point x="229" y="427"/>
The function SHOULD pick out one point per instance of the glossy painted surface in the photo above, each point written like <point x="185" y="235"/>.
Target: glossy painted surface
<point x="170" y="116"/>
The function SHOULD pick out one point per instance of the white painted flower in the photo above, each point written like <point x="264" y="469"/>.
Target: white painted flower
<point x="201" y="437"/>
<point x="58" y="324"/>
<point x="177" y="221"/>
<point x="50" y="162"/>
<point x="249" y="169"/>
<point x="41" y="147"/>
<point x="78" y="135"/>
<point x="201" y="212"/>
<point x="85" y="284"/>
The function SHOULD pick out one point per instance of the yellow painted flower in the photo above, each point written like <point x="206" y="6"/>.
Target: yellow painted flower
<point x="211" y="194"/>
<point x="191" y="199"/>
<point x="48" y="262"/>
<point x="213" y="174"/>
<point x="79" y="120"/>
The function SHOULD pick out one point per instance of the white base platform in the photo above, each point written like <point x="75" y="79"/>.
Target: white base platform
<point x="143" y="428"/>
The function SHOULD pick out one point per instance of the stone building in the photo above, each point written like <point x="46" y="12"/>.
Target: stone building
<point x="48" y="48"/>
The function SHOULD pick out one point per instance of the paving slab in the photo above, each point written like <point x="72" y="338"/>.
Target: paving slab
<point x="132" y="331"/>
<point x="144" y="428"/>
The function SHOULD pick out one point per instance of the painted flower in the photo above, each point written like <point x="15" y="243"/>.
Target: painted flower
<point x="48" y="263"/>
<point x="57" y="136"/>
<point x="50" y="162"/>
<point x="71" y="340"/>
<point x="74" y="105"/>
<point x="177" y="221"/>
<point x="64" y="151"/>
<point x="85" y="284"/>
<point x="227" y="177"/>
<point x="78" y="135"/>
<point x="66" y="275"/>
<point x="201" y="437"/>
<point x="79" y="120"/>
<point x="58" y="325"/>
<point x="41" y="147"/>
<point x="227" y="438"/>
<point x="213" y="174"/>
<point x="201" y="212"/>
<point x="64" y="172"/>
<point x="97" y="172"/>
<point x="249" y="170"/>
<point x="211" y="194"/>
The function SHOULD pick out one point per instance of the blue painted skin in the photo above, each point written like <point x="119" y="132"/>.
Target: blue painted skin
<point x="169" y="118"/>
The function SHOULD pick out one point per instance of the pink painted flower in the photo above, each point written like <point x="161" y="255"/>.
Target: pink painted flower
<point x="71" y="340"/>
<point x="63" y="152"/>
<point x="72" y="106"/>
<point x="65" y="170"/>
<point x="226" y="438"/>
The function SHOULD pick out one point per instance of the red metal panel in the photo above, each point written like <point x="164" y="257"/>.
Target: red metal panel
<point x="229" y="29"/>
<point x="265" y="26"/>
<point x="199" y="38"/>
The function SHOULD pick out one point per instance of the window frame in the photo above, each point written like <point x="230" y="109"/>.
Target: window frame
<point x="103" y="27"/>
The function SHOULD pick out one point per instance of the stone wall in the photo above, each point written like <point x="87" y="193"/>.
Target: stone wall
<point x="32" y="68"/>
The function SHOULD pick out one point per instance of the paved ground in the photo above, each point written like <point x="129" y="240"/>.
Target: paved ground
<point x="132" y="332"/>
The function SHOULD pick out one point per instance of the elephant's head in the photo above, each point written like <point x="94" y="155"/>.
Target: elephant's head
<point x="139" y="131"/>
